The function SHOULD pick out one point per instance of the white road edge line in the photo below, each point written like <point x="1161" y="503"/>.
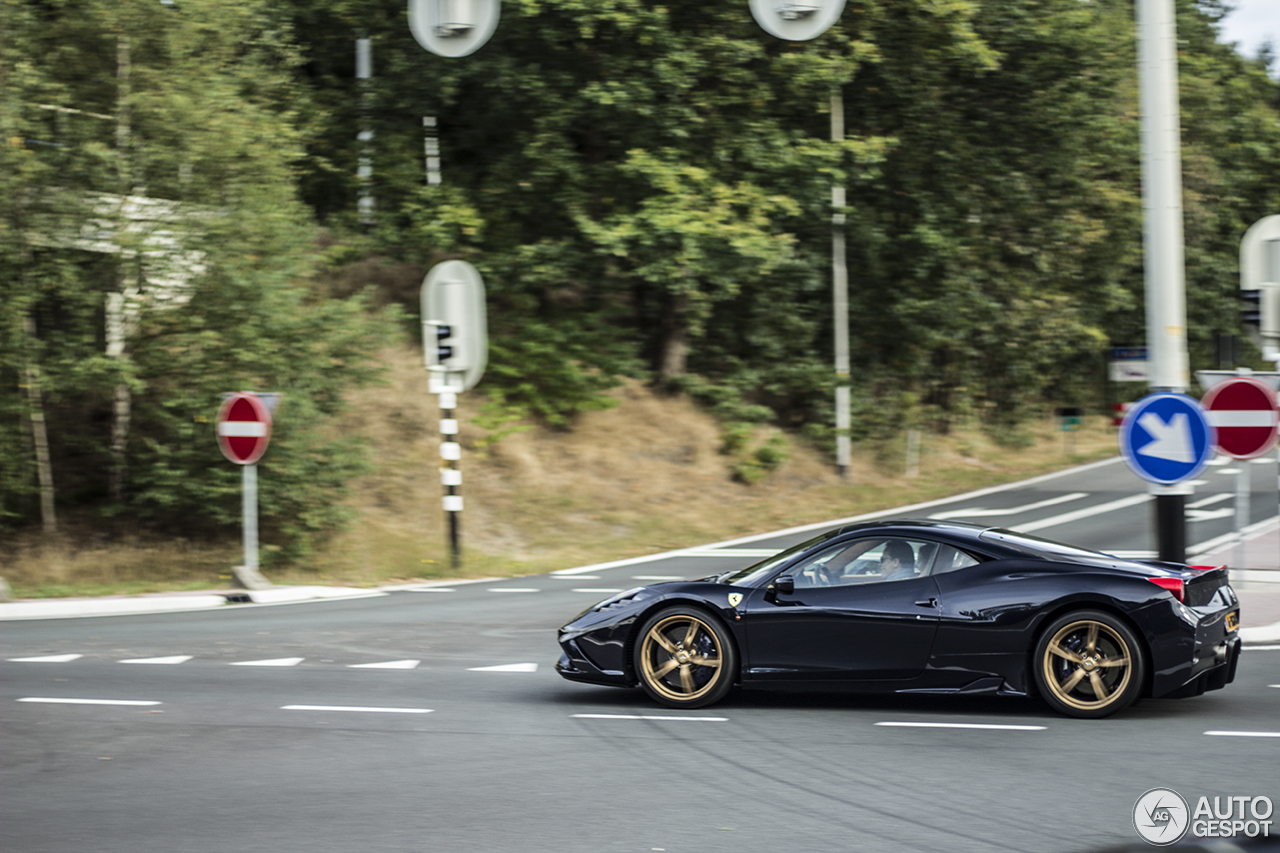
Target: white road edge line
<point x="1076" y="515"/>
<point x="1267" y="648"/>
<point x="1242" y="734"/>
<point x="505" y="667"/>
<point x="55" y="701"/>
<point x="646" y="717"/>
<point x="975" y="512"/>
<point x="998" y="727"/>
<point x="271" y="662"/>
<point x="356" y="708"/>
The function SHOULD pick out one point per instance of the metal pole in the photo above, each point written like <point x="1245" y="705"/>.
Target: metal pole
<point x="250" y="514"/>
<point x="364" y="169"/>
<point x="1243" y="486"/>
<point x="1162" y="239"/>
<point x="450" y="475"/>
<point x="840" y="297"/>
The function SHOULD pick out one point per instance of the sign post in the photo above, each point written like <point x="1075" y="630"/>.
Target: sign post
<point x="455" y="347"/>
<point x="1167" y="439"/>
<point x="244" y="431"/>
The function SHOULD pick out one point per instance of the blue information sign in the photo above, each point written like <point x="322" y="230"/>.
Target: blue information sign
<point x="1166" y="438"/>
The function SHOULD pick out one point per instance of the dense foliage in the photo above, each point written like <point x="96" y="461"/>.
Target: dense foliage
<point x="647" y="189"/>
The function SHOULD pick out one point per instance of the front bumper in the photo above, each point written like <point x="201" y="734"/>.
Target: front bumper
<point x="576" y="666"/>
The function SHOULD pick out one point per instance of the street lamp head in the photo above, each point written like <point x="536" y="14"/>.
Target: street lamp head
<point x="454" y="18"/>
<point x="798" y="11"/>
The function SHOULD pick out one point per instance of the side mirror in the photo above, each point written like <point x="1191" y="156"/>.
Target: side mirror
<point x="785" y="584"/>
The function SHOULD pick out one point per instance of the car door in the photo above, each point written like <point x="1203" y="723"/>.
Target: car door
<point x="861" y="622"/>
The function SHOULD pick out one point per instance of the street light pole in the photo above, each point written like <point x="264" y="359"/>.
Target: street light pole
<point x="840" y="297"/>
<point x="1163" y="241"/>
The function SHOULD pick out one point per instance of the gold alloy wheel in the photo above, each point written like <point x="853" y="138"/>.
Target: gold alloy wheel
<point x="1087" y="665"/>
<point x="680" y="657"/>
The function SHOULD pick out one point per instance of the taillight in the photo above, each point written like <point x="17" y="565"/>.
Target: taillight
<point x="1173" y="585"/>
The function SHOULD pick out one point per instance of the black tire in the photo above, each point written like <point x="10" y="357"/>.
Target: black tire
<point x="1089" y="664"/>
<point x="685" y="658"/>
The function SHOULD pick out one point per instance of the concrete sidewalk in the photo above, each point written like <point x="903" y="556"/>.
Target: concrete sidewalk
<point x="1255" y="578"/>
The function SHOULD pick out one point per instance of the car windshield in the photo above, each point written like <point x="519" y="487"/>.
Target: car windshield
<point x="753" y="573"/>
<point x="1044" y="549"/>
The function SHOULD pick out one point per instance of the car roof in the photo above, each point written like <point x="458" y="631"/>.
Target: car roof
<point x="907" y="526"/>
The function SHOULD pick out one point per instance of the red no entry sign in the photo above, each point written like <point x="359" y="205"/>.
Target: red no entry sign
<point x="1243" y="412"/>
<point x="244" y="428"/>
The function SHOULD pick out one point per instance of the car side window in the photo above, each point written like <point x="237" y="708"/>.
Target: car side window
<point x="865" y="561"/>
<point x="950" y="558"/>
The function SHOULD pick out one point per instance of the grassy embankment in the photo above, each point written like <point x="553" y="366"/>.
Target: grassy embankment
<point x="643" y="477"/>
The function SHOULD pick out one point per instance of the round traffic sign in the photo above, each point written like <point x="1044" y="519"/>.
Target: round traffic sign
<point x="1166" y="438"/>
<point x="1243" y="411"/>
<point x="244" y="428"/>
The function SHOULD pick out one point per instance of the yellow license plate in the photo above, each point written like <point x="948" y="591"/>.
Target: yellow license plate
<point x="1233" y="620"/>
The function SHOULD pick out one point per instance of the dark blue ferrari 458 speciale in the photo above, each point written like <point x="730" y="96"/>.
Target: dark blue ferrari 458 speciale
<point x="921" y="607"/>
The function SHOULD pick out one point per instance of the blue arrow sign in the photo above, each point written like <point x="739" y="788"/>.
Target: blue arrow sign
<point x="1166" y="438"/>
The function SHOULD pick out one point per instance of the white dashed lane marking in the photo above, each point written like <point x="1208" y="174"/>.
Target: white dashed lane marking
<point x="993" y="726"/>
<point x="57" y="701"/>
<point x="355" y="708"/>
<point x="390" y="664"/>
<point x="271" y="662"/>
<point x="47" y="659"/>
<point x="171" y="659"/>
<point x="646" y="717"/>
<point x="506" y="667"/>
<point x="1242" y="734"/>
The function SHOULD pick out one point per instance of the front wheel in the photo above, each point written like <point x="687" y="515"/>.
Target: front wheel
<point x="685" y="658"/>
<point x="1089" y="664"/>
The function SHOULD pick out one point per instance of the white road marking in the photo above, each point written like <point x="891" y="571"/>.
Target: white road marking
<point x="1218" y="460"/>
<point x="1242" y="734"/>
<point x="52" y="701"/>
<point x="272" y="662"/>
<point x="730" y="552"/>
<point x="390" y="664"/>
<point x="994" y="726"/>
<point x="1263" y="648"/>
<point x="1087" y="512"/>
<point x="513" y="589"/>
<point x="1208" y="514"/>
<point x="506" y="667"/>
<point x="1229" y="471"/>
<point x="980" y="512"/>
<point x="356" y="708"/>
<point x="171" y="659"/>
<point x="47" y="659"/>
<point x="1212" y="499"/>
<point x="1265" y="460"/>
<point x="646" y="717"/>
<point x="596" y="591"/>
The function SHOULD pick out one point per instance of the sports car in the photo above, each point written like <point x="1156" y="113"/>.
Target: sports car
<point x="920" y="606"/>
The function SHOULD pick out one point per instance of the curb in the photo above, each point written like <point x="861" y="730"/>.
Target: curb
<point x="85" y="607"/>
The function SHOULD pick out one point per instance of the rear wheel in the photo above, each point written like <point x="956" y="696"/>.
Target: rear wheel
<point x="685" y="658"/>
<point x="1089" y="664"/>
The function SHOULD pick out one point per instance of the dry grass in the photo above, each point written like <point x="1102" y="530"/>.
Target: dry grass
<point x="643" y="477"/>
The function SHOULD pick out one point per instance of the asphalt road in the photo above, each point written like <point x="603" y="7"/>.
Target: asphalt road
<point x="310" y="749"/>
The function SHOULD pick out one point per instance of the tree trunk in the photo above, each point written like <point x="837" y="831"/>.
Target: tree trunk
<point x="39" y="432"/>
<point x="673" y="358"/>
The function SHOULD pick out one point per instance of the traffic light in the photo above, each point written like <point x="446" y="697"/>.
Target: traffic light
<point x="443" y="351"/>
<point x="455" y="338"/>
<point x="1251" y="308"/>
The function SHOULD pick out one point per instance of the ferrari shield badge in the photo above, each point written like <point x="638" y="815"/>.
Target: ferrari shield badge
<point x="735" y="598"/>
